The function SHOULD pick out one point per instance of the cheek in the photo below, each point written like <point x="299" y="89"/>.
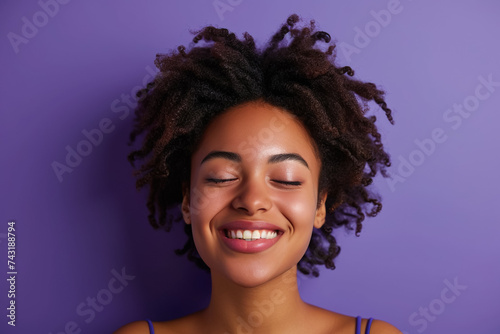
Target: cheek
<point x="205" y="204"/>
<point x="203" y="200"/>
<point x="298" y="207"/>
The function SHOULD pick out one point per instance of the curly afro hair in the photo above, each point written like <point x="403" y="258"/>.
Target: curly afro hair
<point x="291" y="72"/>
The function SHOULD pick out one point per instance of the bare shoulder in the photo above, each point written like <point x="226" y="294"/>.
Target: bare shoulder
<point x="341" y="323"/>
<point x="382" y="327"/>
<point x="136" y="327"/>
<point x="186" y="324"/>
<point x="175" y="326"/>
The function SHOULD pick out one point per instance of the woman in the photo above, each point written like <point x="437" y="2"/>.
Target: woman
<point x="280" y="153"/>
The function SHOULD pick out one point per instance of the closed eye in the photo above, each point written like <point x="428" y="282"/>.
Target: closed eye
<point x="216" y="181"/>
<point x="289" y="183"/>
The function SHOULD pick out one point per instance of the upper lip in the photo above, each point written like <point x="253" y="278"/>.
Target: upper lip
<point x="250" y="225"/>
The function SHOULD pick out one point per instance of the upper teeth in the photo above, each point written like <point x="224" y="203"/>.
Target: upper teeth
<point x="251" y="235"/>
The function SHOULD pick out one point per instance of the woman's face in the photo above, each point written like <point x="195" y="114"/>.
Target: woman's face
<point x="252" y="201"/>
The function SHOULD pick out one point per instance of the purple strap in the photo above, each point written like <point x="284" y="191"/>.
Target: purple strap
<point x="358" y="325"/>
<point x="368" y="325"/>
<point x="150" y="324"/>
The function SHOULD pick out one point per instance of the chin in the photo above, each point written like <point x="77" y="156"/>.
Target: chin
<point x="251" y="275"/>
<point x="250" y="279"/>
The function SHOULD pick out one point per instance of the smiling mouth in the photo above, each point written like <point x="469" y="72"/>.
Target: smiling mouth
<point x="251" y="235"/>
<point x="244" y="236"/>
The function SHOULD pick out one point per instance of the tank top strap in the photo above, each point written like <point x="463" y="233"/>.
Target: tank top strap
<point x="358" y="325"/>
<point x="368" y="326"/>
<point x="151" y="328"/>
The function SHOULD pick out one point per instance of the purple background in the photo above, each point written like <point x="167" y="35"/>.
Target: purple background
<point x="439" y="225"/>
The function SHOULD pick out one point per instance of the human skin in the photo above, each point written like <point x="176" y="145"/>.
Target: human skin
<point x="256" y="292"/>
<point x="253" y="192"/>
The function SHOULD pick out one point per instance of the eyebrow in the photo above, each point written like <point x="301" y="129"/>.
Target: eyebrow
<point x="276" y="158"/>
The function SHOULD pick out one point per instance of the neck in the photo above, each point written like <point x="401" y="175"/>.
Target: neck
<point x="271" y="307"/>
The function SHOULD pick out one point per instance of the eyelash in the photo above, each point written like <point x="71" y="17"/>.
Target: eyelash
<point x="216" y="181"/>
<point x="288" y="183"/>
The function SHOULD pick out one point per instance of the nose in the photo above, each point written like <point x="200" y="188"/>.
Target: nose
<point x="252" y="197"/>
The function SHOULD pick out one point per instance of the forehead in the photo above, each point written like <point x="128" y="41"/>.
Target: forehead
<point x="257" y="129"/>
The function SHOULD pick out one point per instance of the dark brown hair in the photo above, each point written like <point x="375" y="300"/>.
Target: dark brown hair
<point x="291" y="72"/>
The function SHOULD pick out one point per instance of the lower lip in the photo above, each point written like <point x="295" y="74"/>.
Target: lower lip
<point x="254" y="246"/>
